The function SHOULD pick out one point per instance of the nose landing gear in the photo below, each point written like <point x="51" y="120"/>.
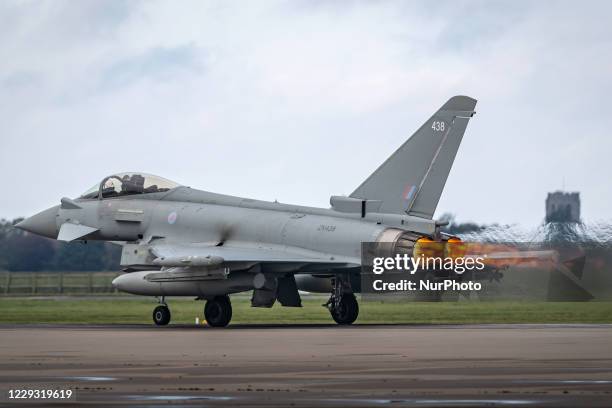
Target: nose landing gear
<point x="161" y="314"/>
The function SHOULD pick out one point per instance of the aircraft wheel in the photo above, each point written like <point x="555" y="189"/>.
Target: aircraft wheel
<point x="347" y="310"/>
<point x="161" y="315"/>
<point x="218" y="311"/>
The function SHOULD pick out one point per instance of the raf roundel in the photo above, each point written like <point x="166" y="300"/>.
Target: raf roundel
<point x="172" y="218"/>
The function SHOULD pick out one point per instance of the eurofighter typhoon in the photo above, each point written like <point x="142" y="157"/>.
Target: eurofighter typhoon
<point x="179" y="241"/>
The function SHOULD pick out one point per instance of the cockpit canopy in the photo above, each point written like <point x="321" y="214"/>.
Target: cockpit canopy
<point x="124" y="184"/>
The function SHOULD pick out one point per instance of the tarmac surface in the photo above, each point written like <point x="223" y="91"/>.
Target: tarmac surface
<point x="312" y="365"/>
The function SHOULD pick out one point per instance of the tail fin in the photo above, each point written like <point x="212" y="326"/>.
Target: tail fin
<point x="412" y="179"/>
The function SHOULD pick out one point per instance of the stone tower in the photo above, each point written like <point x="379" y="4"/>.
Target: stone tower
<point x="563" y="207"/>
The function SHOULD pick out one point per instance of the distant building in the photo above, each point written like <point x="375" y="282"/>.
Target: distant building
<point x="563" y="207"/>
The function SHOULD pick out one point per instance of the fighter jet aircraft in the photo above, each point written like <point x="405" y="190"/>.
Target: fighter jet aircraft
<point x="179" y="241"/>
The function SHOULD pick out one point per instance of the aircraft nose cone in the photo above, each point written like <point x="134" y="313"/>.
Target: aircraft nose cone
<point x="44" y="223"/>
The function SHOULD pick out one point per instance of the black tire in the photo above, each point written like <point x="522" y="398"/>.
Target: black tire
<point x="347" y="311"/>
<point x="218" y="311"/>
<point x="161" y="315"/>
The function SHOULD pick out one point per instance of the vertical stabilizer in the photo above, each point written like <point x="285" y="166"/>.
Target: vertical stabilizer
<point x="411" y="180"/>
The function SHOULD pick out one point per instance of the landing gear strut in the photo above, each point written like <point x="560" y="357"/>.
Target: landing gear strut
<point x="218" y="311"/>
<point x="342" y="304"/>
<point x="161" y="314"/>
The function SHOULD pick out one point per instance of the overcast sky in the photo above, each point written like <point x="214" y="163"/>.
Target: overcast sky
<point x="301" y="100"/>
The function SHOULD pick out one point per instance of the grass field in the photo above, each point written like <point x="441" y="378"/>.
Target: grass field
<point x="119" y="309"/>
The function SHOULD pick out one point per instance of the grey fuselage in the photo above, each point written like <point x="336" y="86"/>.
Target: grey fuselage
<point x="185" y="215"/>
<point x="185" y="218"/>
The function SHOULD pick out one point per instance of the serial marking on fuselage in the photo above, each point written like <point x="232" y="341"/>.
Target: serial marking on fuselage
<point x="326" y="228"/>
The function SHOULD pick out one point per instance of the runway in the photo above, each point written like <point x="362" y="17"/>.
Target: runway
<point x="314" y="365"/>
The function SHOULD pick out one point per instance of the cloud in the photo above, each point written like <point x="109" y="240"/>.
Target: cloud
<point x="297" y="101"/>
<point x="157" y="64"/>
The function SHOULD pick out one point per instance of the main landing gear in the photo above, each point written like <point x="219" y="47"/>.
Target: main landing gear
<point x="342" y="304"/>
<point x="218" y="311"/>
<point x="161" y="314"/>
